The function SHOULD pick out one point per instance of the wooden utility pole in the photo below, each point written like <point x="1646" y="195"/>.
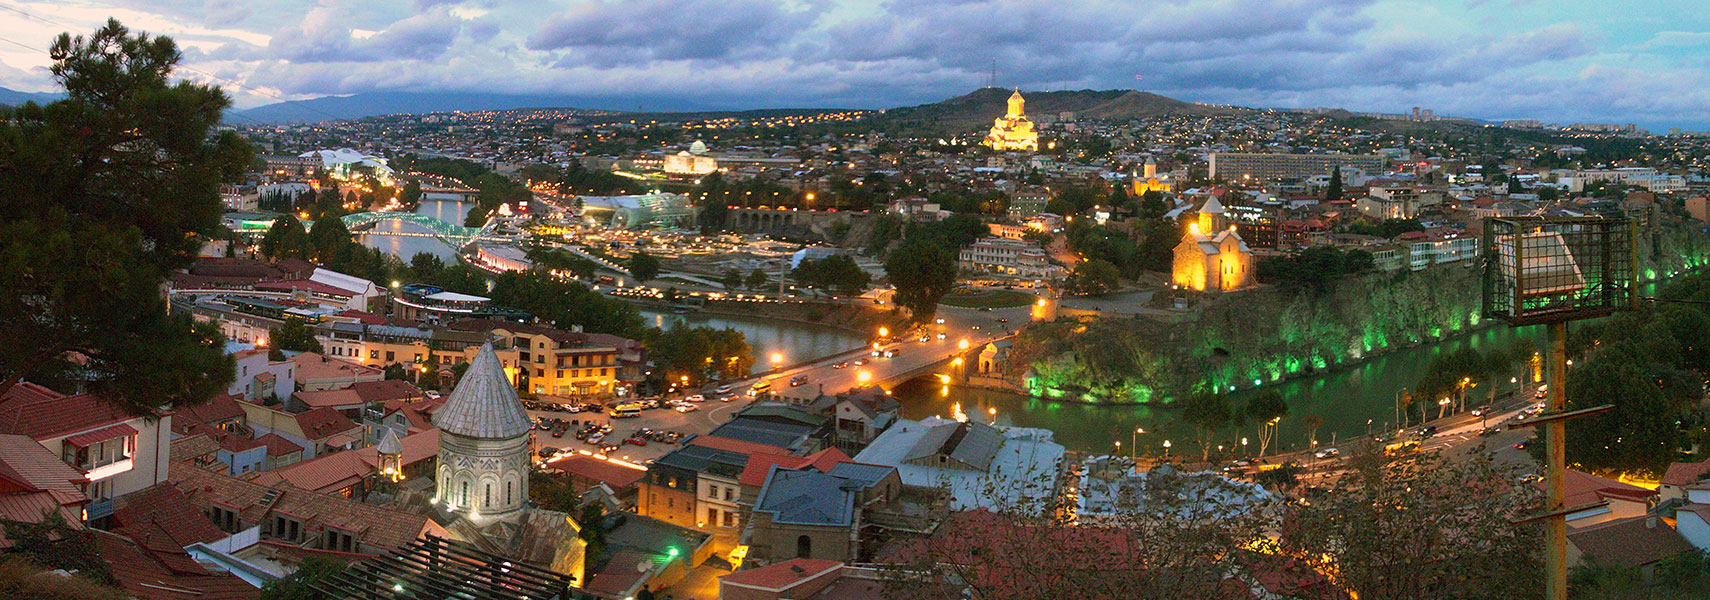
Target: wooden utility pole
<point x="1555" y="467"/>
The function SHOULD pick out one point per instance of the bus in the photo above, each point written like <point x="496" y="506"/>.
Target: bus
<point x="624" y="411"/>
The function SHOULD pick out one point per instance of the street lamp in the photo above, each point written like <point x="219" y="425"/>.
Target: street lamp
<point x="993" y="412"/>
<point x="884" y="332"/>
<point x="1166" y="449"/>
<point x="777" y="359"/>
<point x="962" y="344"/>
<point x="863" y="377"/>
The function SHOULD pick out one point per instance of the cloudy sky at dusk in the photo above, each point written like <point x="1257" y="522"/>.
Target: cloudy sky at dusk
<point x="1561" y="61"/>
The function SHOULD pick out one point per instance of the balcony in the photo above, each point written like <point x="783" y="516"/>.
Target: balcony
<point x="108" y="470"/>
<point x="97" y="509"/>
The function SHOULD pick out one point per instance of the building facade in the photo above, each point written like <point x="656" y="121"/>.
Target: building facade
<point x="1236" y="166"/>
<point x="483" y="445"/>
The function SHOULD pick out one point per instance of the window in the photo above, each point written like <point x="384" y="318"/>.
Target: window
<point x="374" y="354"/>
<point x="540" y="372"/>
<point x="727" y="494"/>
<point x="487" y="496"/>
<point x="466" y="493"/>
<point x="389" y="356"/>
<point x="561" y="373"/>
<point x="507" y="493"/>
<point x="804" y="546"/>
<point x="712" y="490"/>
<point x="729" y="519"/>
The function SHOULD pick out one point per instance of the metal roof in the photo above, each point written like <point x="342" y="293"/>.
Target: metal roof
<point x="484" y="404"/>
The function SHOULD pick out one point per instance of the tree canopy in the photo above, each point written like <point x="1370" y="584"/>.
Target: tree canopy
<point x="106" y="192"/>
<point x="922" y="273"/>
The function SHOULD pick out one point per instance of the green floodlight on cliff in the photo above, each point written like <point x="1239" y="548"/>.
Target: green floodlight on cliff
<point x="1549" y="271"/>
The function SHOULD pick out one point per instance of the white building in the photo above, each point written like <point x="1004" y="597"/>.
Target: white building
<point x="1644" y="177"/>
<point x="259" y="377"/>
<point x="1007" y="257"/>
<point x="363" y="293"/>
<point x="117" y="453"/>
<point x="981" y="466"/>
<point x="483" y="445"/>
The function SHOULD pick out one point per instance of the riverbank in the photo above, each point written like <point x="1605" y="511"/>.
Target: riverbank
<point x="852" y="318"/>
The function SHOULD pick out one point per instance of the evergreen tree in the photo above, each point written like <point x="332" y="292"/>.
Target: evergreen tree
<point x="1333" y="191"/>
<point x="643" y="266"/>
<point x="105" y="193"/>
<point x="294" y="335"/>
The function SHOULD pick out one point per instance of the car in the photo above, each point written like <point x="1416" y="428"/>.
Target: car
<point x="696" y="398"/>
<point x="860" y="361"/>
<point x="841" y="365"/>
<point x="1489" y="431"/>
<point x="726" y="397"/>
<point x="798" y="380"/>
<point x="723" y="389"/>
<point x="939" y="320"/>
<point x="1323" y="453"/>
<point x="596" y="437"/>
<point x="635" y="440"/>
<point x="545" y="452"/>
<point x="925" y="339"/>
<point x="941" y="335"/>
<point x="974" y="327"/>
<point x="890" y="353"/>
<point x="558" y="433"/>
<point x="686" y="408"/>
<point x="608" y="448"/>
<point x="1427" y="431"/>
<point x="1523" y="444"/>
<point x="1004" y="320"/>
<point x="985" y="309"/>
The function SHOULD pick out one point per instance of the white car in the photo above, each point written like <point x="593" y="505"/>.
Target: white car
<point x="686" y="408"/>
<point x="696" y="398"/>
<point x="1327" y="453"/>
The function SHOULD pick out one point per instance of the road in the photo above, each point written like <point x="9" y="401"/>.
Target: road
<point x="973" y="326"/>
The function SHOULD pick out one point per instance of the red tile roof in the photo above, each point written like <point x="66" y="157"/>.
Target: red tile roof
<point x="87" y="439"/>
<point x="157" y="574"/>
<point x="613" y="475"/>
<point x="374" y="526"/>
<point x="277" y="445"/>
<point x="387" y="390"/>
<point x="1584" y="488"/>
<point x="733" y="445"/>
<point x="622" y="572"/>
<point x="26" y="466"/>
<point x="782" y="575"/>
<point x="760" y="464"/>
<point x="221" y="407"/>
<point x="313" y="287"/>
<point x="322" y="423"/>
<point x="1630" y="542"/>
<point x="329" y="398"/>
<point x="162" y="510"/>
<point x="38" y="412"/>
<point x="312" y="367"/>
<point x="1682" y="474"/>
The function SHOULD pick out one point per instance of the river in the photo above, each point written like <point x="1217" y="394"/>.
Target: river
<point x="407" y="247"/>
<point x="795" y="341"/>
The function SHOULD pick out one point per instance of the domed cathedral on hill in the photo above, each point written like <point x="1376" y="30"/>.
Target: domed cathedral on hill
<point x="480" y="489"/>
<point x="1013" y="131"/>
<point x="1212" y="257"/>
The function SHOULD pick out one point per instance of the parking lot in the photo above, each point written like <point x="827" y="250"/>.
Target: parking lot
<point x="704" y="418"/>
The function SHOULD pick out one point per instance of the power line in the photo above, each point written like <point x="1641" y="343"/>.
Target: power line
<point x="232" y="82"/>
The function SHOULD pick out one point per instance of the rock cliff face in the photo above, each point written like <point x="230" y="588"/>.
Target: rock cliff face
<point x="1271" y="334"/>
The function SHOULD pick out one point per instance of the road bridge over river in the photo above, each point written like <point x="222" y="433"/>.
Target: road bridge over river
<point x="965" y="332"/>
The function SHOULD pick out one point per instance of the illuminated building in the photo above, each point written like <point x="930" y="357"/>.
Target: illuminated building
<point x="1212" y="256"/>
<point x="483" y="444"/>
<point x="1151" y="181"/>
<point x="693" y="161"/>
<point x="1235" y="166"/>
<point x="1013" y="131"/>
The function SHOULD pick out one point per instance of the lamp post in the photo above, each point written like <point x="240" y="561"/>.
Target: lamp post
<point x="993" y="412"/>
<point x="1132" y="440"/>
<point x="1166" y="450"/>
<point x="777" y="359"/>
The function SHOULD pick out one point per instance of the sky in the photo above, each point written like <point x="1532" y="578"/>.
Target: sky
<point x="1557" y="61"/>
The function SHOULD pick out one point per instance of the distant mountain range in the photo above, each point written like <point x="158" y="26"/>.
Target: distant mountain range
<point x="958" y="113"/>
<point x="981" y="106"/>
<point x="371" y="104"/>
<point x="10" y="97"/>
